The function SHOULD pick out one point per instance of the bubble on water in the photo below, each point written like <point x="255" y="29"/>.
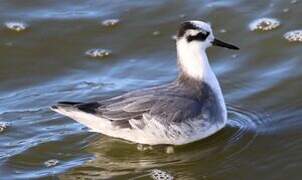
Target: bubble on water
<point x="51" y="162"/>
<point x="156" y="33"/>
<point x="234" y="56"/>
<point x="264" y="24"/>
<point x="293" y="36"/>
<point x="285" y="10"/>
<point x="222" y="30"/>
<point x="16" y="26"/>
<point x="98" y="53"/>
<point x="142" y="147"/>
<point x="174" y="37"/>
<point x="133" y="60"/>
<point x="157" y="174"/>
<point x="3" y="126"/>
<point x="9" y="44"/>
<point x="182" y="15"/>
<point x="110" y="22"/>
<point x="170" y="150"/>
<point x="293" y="1"/>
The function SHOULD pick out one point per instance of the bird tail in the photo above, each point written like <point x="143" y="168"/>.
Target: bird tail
<point x="66" y="105"/>
<point x="78" y="111"/>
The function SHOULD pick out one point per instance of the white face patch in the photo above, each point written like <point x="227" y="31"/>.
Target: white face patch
<point x="202" y="25"/>
<point x="195" y="30"/>
<point x="192" y="32"/>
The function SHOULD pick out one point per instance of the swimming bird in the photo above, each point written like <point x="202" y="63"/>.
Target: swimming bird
<point x="185" y="110"/>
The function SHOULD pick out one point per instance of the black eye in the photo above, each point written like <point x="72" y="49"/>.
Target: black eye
<point x="201" y="36"/>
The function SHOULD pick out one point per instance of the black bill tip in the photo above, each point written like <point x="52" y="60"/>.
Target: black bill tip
<point x="217" y="42"/>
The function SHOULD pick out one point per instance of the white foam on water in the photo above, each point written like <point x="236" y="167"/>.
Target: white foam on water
<point x="285" y="10"/>
<point x="182" y="16"/>
<point x="142" y="147"/>
<point x="3" y="126"/>
<point x="174" y="37"/>
<point x="293" y="36"/>
<point x="264" y="24"/>
<point x="110" y="22"/>
<point x="293" y="1"/>
<point x="156" y="33"/>
<point x="170" y="150"/>
<point x="222" y="30"/>
<point x="157" y="174"/>
<point x="98" y="53"/>
<point x="51" y="162"/>
<point x="16" y="26"/>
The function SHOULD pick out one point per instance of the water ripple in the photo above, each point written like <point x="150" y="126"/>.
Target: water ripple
<point x="243" y="125"/>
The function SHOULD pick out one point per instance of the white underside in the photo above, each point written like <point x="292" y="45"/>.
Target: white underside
<point x="153" y="133"/>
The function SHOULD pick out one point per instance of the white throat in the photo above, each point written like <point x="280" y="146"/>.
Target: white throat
<point x="193" y="60"/>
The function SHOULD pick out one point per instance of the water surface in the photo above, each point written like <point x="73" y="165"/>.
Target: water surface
<point x="46" y="63"/>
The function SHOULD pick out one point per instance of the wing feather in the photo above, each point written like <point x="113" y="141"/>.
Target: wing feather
<point x="159" y="103"/>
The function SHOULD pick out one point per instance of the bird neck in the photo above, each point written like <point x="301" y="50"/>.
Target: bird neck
<point x="193" y="61"/>
<point x="195" y="69"/>
<point x="196" y="72"/>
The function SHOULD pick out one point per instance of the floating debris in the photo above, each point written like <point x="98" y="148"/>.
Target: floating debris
<point x="110" y="22"/>
<point x="51" y="162"/>
<point x="293" y="36"/>
<point x="16" y="26"/>
<point x="264" y="24"/>
<point x="156" y="33"/>
<point x="157" y="174"/>
<point x="98" y="53"/>
<point x="3" y="126"/>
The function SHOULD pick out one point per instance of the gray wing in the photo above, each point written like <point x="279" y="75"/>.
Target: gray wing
<point x="170" y="108"/>
<point x="156" y="103"/>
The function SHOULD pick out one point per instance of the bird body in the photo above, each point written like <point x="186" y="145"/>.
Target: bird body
<point x="188" y="109"/>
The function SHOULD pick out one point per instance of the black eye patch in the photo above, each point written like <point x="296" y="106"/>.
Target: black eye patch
<point x="201" y="36"/>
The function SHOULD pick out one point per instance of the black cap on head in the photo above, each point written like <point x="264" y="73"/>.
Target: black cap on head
<point x="189" y="25"/>
<point x="184" y="27"/>
<point x="203" y="30"/>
